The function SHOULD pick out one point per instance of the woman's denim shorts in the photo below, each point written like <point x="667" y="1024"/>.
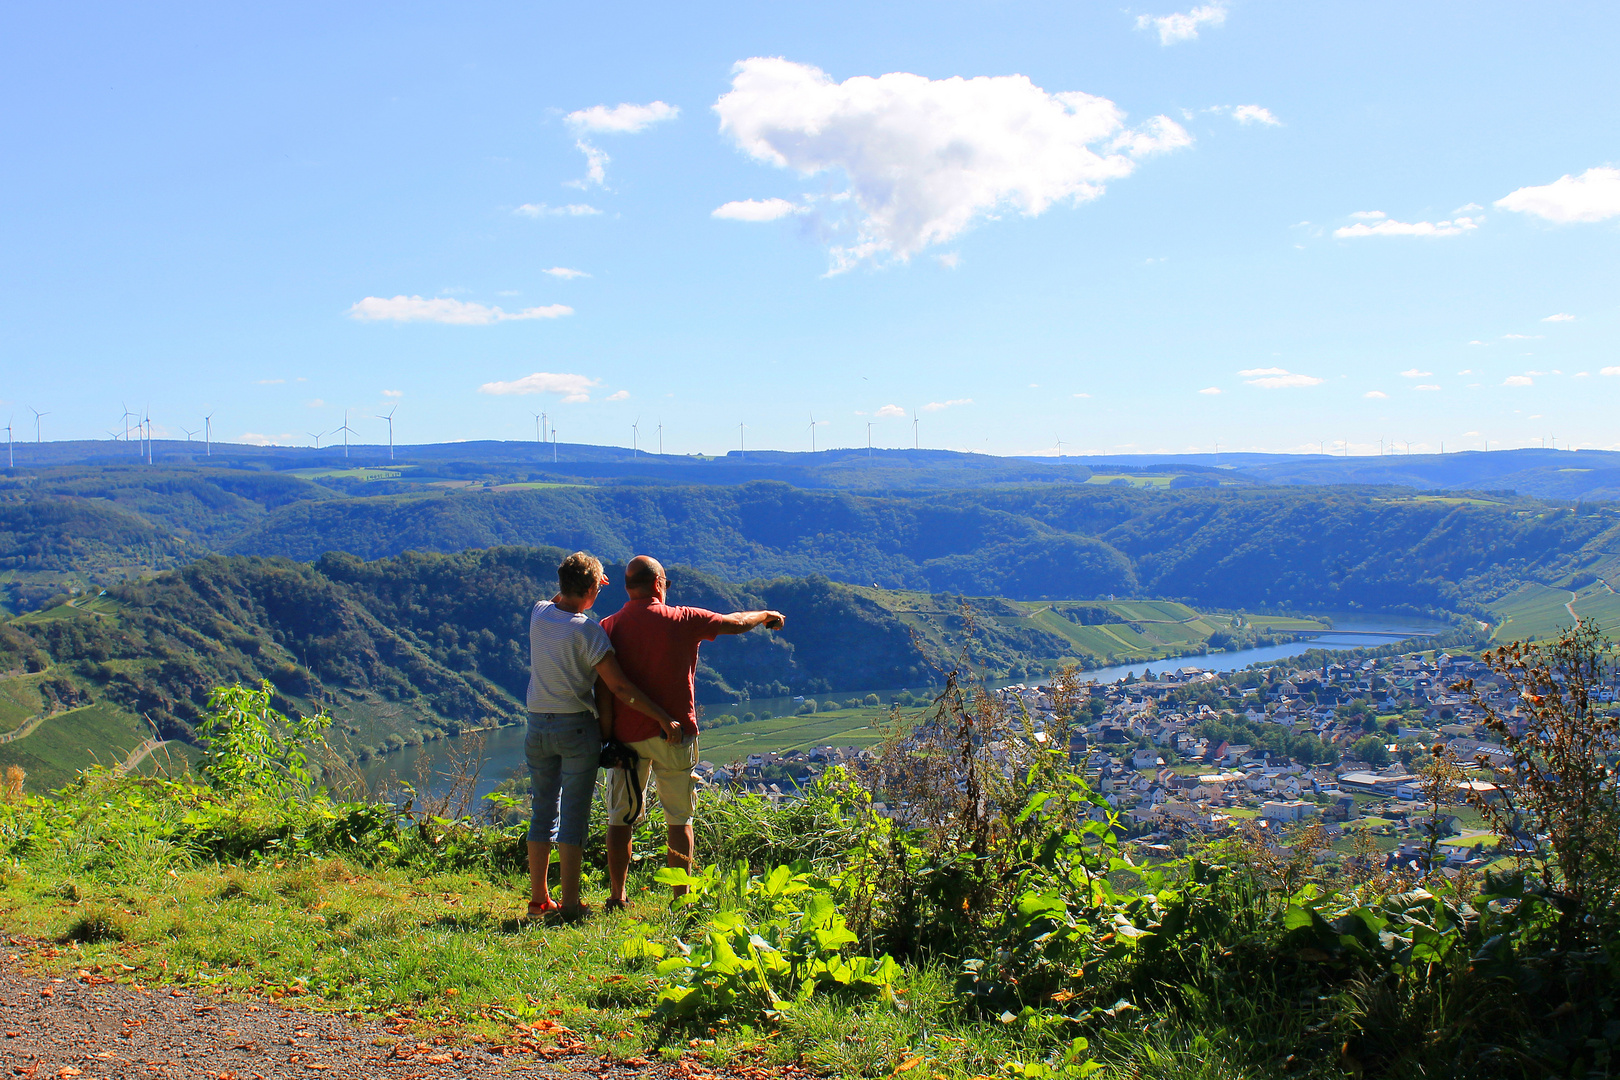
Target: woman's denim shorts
<point x="563" y="751"/>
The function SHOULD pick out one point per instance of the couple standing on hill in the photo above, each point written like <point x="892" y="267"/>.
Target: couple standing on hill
<point x="628" y="682"/>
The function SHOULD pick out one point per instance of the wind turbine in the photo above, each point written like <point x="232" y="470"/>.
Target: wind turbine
<point x="812" y="433"/>
<point x="189" y="433"/>
<point x="37" y="415"/>
<point x="635" y="438"/>
<point x="869" y="438"/>
<point x="346" y="429"/>
<point x="208" y="435"/>
<point x="537" y="418"/>
<point x="742" y="446"/>
<point x="11" y="454"/>
<point x="1060" y="448"/>
<point x="390" y="419"/>
<point x="554" y="444"/>
<point x="916" y="443"/>
<point x="148" y="423"/>
<point x="660" y="438"/>
<point x="316" y="436"/>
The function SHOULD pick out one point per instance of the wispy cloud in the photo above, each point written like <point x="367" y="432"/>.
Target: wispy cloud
<point x="1183" y="26"/>
<point x="271" y="382"/>
<point x="1426" y="386"/>
<point x="624" y="119"/>
<point x="1376" y="395"/>
<point x="445" y="310"/>
<point x="1610" y="371"/>
<point x="539" y="210"/>
<point x="573" y="388"/>
<point x="1562" y="316"/>
<point x="1276" y="378"/>
<point x="619" y="395"/>
<point x="1592" y="196"/>
<point x="1521" y="337"/>
<point x="936" y="406"/>
<point x="890" y="411"/>
<point x="756" y="210"/>
<point x="393" y="393"/>
<point x="1518" y="380"/>
<point x="565" y="273"/>
<point x="1377" y="223"/>
<point x="254" y="438"/>
<point x="1414" y="373"/>
<point x="1210" y="390"/>
<point x="1255" y="114"/>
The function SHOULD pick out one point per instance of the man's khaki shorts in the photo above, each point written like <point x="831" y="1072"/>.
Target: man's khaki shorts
<point x="672" y="764"/>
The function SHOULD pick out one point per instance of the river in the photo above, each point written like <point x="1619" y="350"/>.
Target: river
<point x="503" y="747"/>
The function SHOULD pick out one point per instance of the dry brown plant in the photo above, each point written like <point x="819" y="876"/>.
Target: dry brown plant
<point x="11" y="784"/>
<point x="1556" y="806"/>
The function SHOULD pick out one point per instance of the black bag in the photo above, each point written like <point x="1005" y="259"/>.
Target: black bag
<point x="618" y="755"/>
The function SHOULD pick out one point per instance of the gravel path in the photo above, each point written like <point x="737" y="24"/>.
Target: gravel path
<point x="90" y="1025"/>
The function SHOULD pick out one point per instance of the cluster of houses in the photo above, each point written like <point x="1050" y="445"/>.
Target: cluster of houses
<point x="1142" y="746"/>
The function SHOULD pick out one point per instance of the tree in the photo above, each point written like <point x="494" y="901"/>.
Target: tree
<point x="1371" y="749"/>
<point x="251" y="747"/>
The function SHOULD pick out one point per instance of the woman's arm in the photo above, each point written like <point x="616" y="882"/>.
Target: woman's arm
<point x="632" y="695"/>
<point x="604" y="709"/>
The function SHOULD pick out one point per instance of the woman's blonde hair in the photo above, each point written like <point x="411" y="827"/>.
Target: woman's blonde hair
<point x="579" y="573"/>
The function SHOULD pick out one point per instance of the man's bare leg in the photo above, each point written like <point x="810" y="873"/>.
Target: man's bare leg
<point x="619" y="839"/>
<point x="681" y="842"/>
<point x="570" y="857"/>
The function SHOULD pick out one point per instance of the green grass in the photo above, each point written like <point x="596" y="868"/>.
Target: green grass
<point x="1134" y="479"/>
<point x="68" y="742"/>
<point x="1531" y="611"/>
<point x="20" y="700"/>
<point x="390" y="473"/>
<point x="838" y="727"/>
<point x="447" y="955"/>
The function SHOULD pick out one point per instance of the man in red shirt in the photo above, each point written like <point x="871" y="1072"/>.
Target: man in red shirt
<point x="657" y="646"/>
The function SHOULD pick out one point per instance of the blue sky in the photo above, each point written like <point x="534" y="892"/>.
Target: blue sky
<point x="1257" y="225"/>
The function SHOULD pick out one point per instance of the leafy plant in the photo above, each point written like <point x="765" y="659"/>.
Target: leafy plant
<point x="250" y="747"/>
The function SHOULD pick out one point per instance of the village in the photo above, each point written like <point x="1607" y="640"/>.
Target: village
<point x="1191" y="754"/>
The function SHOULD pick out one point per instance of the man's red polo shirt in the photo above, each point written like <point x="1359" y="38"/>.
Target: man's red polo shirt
<point x="657" y="646"/>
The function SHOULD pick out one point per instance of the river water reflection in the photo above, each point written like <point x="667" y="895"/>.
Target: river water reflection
<point x="503" y="747"/>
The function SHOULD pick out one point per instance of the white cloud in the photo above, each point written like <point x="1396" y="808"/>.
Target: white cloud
<point x="1518" y="380"/>
<point x="316" y="404"/>
<point x="1610" y="371"/>
<point x="1255" y="114"/>
<point x="925" y="159"/>
<point x="1581" y="375"/>
<point x="1210" y="390"/>
<point x="621" y="119"/>
<point x="444" y="310"/>
<point x="573" y="388"/>
<point x="1521" y="337"/>
<point x="1476" y="341"/>
<point x="1465" y="208"/>
<point x="1468" y="433"/>
<point x="890" y="411"/>
<point x="254" y="438"/>
<point x="1466" y="371"/>
<point x="1183" y="26"/>
<point x="1592" y="196"/>
<point x="538" y="210"/>
<point x="756" y="210"/>
<point x="624" y="119"/>
<point x="950" y="260"/>
<point x="393" y="393"/>
<point x="1377" y="395"/>
<point x="1387" y="226"/>
<point x="1088" y="395"/>
<point x="1276" y="378"/>
<point x="565" y="273"/>
<point x="271" y="382"/>
<point x="936" y="406"/>
<point x="1427" y="386"/>
<point x="619" y="395"/>
<point x="1562" y="316"/>
<point x="1414" y="373"/>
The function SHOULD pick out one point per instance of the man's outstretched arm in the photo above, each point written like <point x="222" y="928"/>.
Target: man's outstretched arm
<point x="740" y="622"/>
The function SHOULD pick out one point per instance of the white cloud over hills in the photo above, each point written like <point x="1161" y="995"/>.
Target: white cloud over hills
<point x="442" y="309"/>
<point x="925" y="159"/>
<point x="573" y="388"/>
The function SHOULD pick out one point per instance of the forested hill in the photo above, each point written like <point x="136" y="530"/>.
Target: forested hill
<point x="420" y="643"/>
<point x="1322" y="548"/>
<point x="1325" y="549"/>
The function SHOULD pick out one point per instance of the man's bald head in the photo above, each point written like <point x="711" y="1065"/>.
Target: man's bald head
<point x="644" y="577"/>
